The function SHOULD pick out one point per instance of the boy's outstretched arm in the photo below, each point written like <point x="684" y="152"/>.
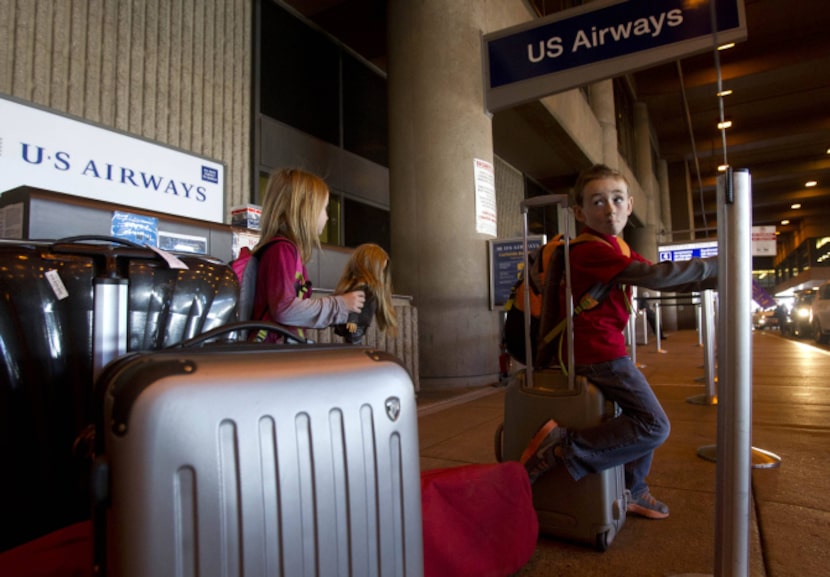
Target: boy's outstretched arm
<point x="692" y="275"/>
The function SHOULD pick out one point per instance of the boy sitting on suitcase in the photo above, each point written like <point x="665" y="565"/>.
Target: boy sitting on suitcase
<point x="602" y="203"/>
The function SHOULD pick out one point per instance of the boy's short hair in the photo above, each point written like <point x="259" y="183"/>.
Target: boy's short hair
<point x="595" y="172"/>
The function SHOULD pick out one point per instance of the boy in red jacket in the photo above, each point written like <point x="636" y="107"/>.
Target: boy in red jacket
<point x="603" y="204"/>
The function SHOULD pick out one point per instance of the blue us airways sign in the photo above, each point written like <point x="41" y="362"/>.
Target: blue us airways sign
<point x="601" y="40"/>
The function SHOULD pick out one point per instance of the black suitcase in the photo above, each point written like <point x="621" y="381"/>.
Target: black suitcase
<point x="258" y="459"/>
<point x="68" y="308"/>
<point x="592" y="510"/>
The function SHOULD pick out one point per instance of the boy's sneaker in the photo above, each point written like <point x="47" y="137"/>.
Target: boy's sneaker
<point x="539" y="456"/>
<point x="647" y="506"/>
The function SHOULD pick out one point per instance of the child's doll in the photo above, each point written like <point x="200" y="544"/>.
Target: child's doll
<point x="367" y="270"/>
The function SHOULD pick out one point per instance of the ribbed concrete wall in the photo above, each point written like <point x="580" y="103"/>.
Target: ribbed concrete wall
<point x="177" y="72"/>
<point x="510" y="192"/>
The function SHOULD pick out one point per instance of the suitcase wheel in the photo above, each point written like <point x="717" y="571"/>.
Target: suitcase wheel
<point x="602" y="541"/>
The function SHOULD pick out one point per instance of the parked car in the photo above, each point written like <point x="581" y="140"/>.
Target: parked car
<point x="820" y="314"/>
<point x="798" y="322"/>
<point x="764" y="319"/>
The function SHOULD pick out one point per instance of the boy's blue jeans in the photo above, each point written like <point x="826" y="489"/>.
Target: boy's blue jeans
<point x="629" y="438"/>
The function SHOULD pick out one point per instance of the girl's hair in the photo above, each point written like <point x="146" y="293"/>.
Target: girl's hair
<point x="369" y="267"/>
<point x="293" y="202"/>
<point x="595" y="172"/>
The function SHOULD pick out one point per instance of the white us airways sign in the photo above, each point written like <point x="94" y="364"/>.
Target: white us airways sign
<point x="42" y="149"/>
<point x="601" y="40"/>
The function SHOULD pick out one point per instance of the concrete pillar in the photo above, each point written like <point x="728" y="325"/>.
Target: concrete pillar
<point x="437" y="127"/>
<point x="665" y="201"/>
<point x="690" y="201"/>
<point x="645" y="239"/>
<point x="602" y="103"/>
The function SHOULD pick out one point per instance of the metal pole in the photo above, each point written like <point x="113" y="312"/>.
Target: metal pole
<point x="631" y="327"/>
<point x="569" y="301"/>
<point x="657" y="327"/>
<point x="707" y="329"/>
<point x="734" y="465"/>
<point x="526" y="291"/>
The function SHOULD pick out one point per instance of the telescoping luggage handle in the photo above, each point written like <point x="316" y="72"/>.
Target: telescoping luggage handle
<point x="534" y="202"/>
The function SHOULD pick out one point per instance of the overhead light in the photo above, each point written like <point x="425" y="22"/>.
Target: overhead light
<point x="785" y="222"/>
<point x="810" y="183"/>
<point x="723" y="93"/>
<point x="795" y="206"/>
<point x="726" y="46"/>
<point x="828" y="151"/>
<point x="724" y="124"/>
<point x="723" y="167"/>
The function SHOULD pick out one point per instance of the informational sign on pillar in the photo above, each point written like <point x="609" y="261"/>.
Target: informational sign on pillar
<point x="601" y="40"/>
<point x="485" y="181"/>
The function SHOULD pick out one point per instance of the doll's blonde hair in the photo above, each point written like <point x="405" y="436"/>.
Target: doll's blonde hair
<point x="293" y="202"/>
<point x="369" y="267"/>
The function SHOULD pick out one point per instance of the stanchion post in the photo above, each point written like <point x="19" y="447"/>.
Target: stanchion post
<point x="734" y="466"/>
<point x="632" y="327"/>
<point x="658" y="314"/>
<point x="707" y="329"/>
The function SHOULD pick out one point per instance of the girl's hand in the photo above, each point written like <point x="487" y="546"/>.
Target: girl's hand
<point x="354" y="301"/>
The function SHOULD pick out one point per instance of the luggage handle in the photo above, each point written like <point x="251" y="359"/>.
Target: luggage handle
<point x="241" y="327"/>
<point x="99" y="238"/>
<point x="111" y="254"/>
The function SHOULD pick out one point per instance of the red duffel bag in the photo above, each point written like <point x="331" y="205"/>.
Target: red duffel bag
<point x="478" y="520"/>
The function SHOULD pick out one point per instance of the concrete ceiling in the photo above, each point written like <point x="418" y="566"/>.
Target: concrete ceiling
<point x="780" y="78"/>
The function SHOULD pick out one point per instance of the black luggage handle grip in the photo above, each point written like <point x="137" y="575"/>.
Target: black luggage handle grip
<point x="113" y="251"/>
<point x="98" y="238"/>
<point x="83" y="245"/>
<point x="239" y="326"/>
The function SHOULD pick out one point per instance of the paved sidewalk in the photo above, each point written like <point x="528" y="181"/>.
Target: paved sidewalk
<point x="790" y="521"/>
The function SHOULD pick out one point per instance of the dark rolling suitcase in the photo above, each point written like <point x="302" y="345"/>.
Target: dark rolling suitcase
<point x="259" y="460"/>
<point x="69" y="307"/>
<point x="46" y="372"/>
<point x="592" y="510"/>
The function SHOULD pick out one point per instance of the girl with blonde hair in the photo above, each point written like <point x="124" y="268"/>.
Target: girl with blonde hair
<point x="293" y="218"/>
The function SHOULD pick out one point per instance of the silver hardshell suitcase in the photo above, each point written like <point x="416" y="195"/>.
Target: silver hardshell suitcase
<point x="288" y="460"/>
<point x="592" y="510"/>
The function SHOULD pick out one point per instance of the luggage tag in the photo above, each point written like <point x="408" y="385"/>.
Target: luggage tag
<point x="54" y="280"/>
<point x="172" y="260"/>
